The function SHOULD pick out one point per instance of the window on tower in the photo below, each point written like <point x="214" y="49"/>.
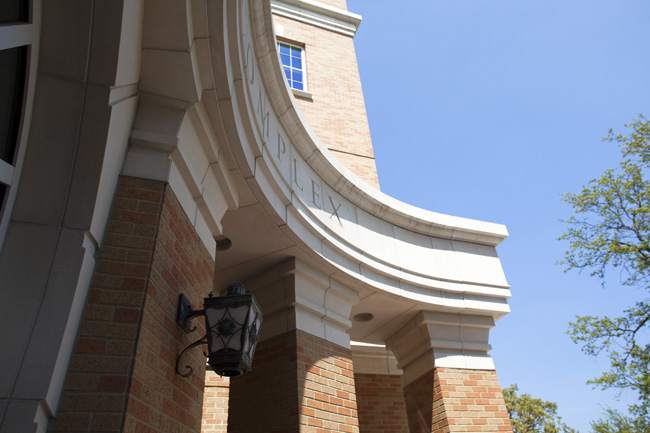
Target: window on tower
<point x="293" y="63"/>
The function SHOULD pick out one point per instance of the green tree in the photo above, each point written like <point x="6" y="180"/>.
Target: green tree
<point x="610" y="231"/>
<point x="616" y="422"/>
<point x="532" y="415"/>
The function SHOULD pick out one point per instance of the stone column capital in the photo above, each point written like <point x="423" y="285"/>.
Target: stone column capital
<point x="293" y="295"/>
<point x="434" y="339"/>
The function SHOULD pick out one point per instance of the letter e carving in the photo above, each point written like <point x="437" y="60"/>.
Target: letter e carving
<point x="315" y="196"/>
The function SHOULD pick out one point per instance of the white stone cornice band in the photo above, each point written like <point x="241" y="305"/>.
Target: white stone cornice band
<point x="319" y="15"/>
<point x="442" y="340"/>
<point x="373" y="359"/>
<point x="338" y="177"/>
<point x="224" y="130"/>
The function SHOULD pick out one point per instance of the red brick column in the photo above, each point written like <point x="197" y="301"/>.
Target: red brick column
<point x="450" y="382"/>
<point x="380" y="402"/>
<point x="456" y="400"/>
<point x="299" y="383"/>
<point x="215" y="403"/>
<point x="121" y="377"/>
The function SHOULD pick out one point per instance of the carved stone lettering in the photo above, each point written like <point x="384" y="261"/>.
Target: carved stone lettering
<point x="249" y="64"/>
<point x="282" y="147"/>
<point x="315" y="193"/>
<point x="264" y="115"/>
<point x="295" y="173"/>
<point x="336" y="208"/>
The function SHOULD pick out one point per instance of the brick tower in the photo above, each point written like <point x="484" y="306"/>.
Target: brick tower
<point x="330" y="94"/>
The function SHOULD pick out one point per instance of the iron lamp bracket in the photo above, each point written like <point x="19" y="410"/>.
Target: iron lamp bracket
<point x="185" y="313"/>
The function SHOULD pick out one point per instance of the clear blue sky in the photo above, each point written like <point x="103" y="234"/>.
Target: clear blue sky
<point x="491" y="110"/>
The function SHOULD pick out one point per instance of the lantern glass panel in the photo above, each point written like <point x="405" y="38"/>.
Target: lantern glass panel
<point x="249" y="331"/>
<point x="225" y="327"/>
<point x="254" y="329"/>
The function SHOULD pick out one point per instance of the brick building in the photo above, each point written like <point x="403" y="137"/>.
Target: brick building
<point x="140" y="133"/>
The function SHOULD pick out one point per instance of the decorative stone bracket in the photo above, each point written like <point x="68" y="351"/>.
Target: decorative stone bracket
<point x="434" y="339"/>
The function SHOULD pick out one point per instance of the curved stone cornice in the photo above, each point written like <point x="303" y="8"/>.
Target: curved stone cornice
<point x="318" y="14"/>
<point x="268" y="167"/>
<point x="393" y="247"/>
<point x="338" y="176"/>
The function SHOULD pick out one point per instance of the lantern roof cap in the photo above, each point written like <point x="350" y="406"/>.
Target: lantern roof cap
<point x="236" y="288"/>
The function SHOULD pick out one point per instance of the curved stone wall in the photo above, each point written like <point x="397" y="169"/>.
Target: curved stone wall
<point x="386" y="244"/>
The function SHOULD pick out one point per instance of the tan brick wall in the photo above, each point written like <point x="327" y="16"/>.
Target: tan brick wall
<point x="121" y="376"/>
<point x="299" y="383"/>
<point x="215" y="403"/>
<point x="337" y="113"/>
<point x="380" y="401"/>
<point x="454" y="400"/>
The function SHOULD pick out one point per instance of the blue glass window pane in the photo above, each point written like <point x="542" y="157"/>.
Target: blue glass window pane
<point x="291" y="58"/>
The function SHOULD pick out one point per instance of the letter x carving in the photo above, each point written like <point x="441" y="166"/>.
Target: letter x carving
<point x="336" y="210"/>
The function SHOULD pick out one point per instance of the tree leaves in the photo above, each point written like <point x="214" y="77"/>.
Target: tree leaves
<point x="611" y="231"/>
<point x="532" y="415"/>
<point x="616" y="422"/>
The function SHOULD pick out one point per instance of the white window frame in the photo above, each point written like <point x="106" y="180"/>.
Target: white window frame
<point x="304" y="92"/>
<point x="14" y="35"/>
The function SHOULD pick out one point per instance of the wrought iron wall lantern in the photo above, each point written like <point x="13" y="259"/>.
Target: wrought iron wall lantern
<point x="232" y="324"/>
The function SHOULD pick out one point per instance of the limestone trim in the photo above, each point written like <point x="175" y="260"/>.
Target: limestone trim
<point x="227" y="103"/>
<point x="186" y="153"/>
<point x="319" y="15"/>
<point x="329" y="211"/>
<point x="333" y="172"/>
<point x="442" y="340"/>
<point x="303" y="94"/>
<point x="294" y="295"/>
<point x="374" y="359"/>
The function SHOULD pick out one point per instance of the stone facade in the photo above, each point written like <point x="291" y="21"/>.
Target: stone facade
<point x="152" y="128"/>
